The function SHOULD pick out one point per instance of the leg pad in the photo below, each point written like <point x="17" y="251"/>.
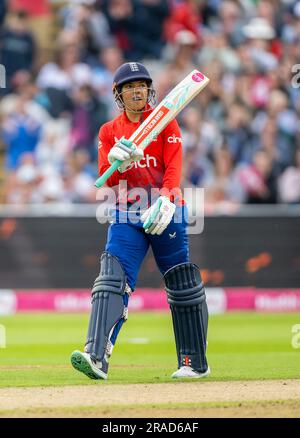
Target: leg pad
<point x="107" y="305"/>
<point x="186" y="296"/>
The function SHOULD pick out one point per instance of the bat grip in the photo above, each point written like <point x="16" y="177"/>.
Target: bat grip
<point x="104" y="177"/>
<point x="153" y="215"/>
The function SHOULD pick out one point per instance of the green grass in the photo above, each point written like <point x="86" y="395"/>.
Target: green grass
<point x="242" y="346"/>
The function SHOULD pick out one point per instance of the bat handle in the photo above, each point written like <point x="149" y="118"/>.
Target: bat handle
<point x="104" y="177"/>
<point x="153" y="215"/>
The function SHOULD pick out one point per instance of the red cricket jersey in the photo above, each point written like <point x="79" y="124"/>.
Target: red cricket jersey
<point x="162" y="163"/>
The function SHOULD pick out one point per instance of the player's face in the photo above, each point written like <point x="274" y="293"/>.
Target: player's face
<point x="135" y="95"/>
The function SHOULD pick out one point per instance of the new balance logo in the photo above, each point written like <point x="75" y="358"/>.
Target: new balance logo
<point x="172" y="236"/>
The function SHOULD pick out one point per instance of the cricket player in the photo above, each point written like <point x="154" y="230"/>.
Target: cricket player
<point x="160" y="224"/>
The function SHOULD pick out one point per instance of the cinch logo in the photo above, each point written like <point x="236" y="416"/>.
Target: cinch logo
<point x="144" y="162"/>
<point x="174" y="139"/>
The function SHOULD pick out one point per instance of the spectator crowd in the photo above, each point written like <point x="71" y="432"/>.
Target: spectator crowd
<point x="241" y="136"/>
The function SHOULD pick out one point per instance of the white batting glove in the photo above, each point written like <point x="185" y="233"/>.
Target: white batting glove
<point x="126" y="151"/>
<point x="158" y="216"/>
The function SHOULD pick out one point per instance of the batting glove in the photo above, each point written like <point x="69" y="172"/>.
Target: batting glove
<point x="126" y="151"/>
<point x="158" y="216"/>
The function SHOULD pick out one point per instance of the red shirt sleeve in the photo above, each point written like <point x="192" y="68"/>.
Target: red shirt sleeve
<point x="172" y="153"/>
<point x="106" y="142"/>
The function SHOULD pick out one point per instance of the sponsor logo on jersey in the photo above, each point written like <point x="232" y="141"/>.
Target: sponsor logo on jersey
<point x="147" y="161"/>
<point x="118" y="139"/>
<point x="174" y="139"/>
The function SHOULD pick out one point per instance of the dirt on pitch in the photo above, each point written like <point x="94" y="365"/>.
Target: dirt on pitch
<point x="268" y="398"/>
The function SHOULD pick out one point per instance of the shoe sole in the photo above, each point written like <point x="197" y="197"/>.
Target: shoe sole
<point x="80" y="363"/>
<point x="199" y="376"/>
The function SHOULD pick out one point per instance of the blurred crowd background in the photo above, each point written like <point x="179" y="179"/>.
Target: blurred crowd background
<point x="241" y="136"/>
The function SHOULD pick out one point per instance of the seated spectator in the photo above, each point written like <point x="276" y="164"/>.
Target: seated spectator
<point x="20" y="133"/>
<point x="198" y="132"/>
<point x="66" y="72"/>
<point x="57" y="80"/>
<point x="79" y="177"/>
<point x="54" y="144"/>
<point x="51" y="186"/>
<point x="184" y="15"/>
<point x="130" y="24"/>
<point x="215" y="46"/>
<point x="222" y="184"/>
<point x="92" y="27"/>
<point x="260" y="34"/>
<point x="110" y="59"/>
<point x="88" y="114"/>
<point x="284" y="127"/>
<point x="231" y="21"/>
<point x="23" y="85"/>
<point x="40" y="21"/>
<point x="258" y="179"/>
<point x="181" y="59"/>
<point x="21" y="185"/>
<point x="237" y="133"/>
<point x="289" y="182"/>
<point x="17" y="48"/>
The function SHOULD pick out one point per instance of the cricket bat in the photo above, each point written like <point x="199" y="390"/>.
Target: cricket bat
<point x="162" y="115"/>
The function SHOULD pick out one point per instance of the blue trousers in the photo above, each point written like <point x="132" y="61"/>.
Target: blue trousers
<point x="129" y="243"/>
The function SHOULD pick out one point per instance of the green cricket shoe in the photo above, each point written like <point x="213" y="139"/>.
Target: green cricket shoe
<point x="88" y="366"/>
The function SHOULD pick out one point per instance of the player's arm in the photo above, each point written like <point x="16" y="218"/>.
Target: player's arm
<point x="124" y="151"/>
<point x="172" y="153"/>
<point x="159" y="215"/>
<point x="104" y="146"/>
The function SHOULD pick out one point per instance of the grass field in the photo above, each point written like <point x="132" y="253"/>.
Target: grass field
<point x="242" y="347"/>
